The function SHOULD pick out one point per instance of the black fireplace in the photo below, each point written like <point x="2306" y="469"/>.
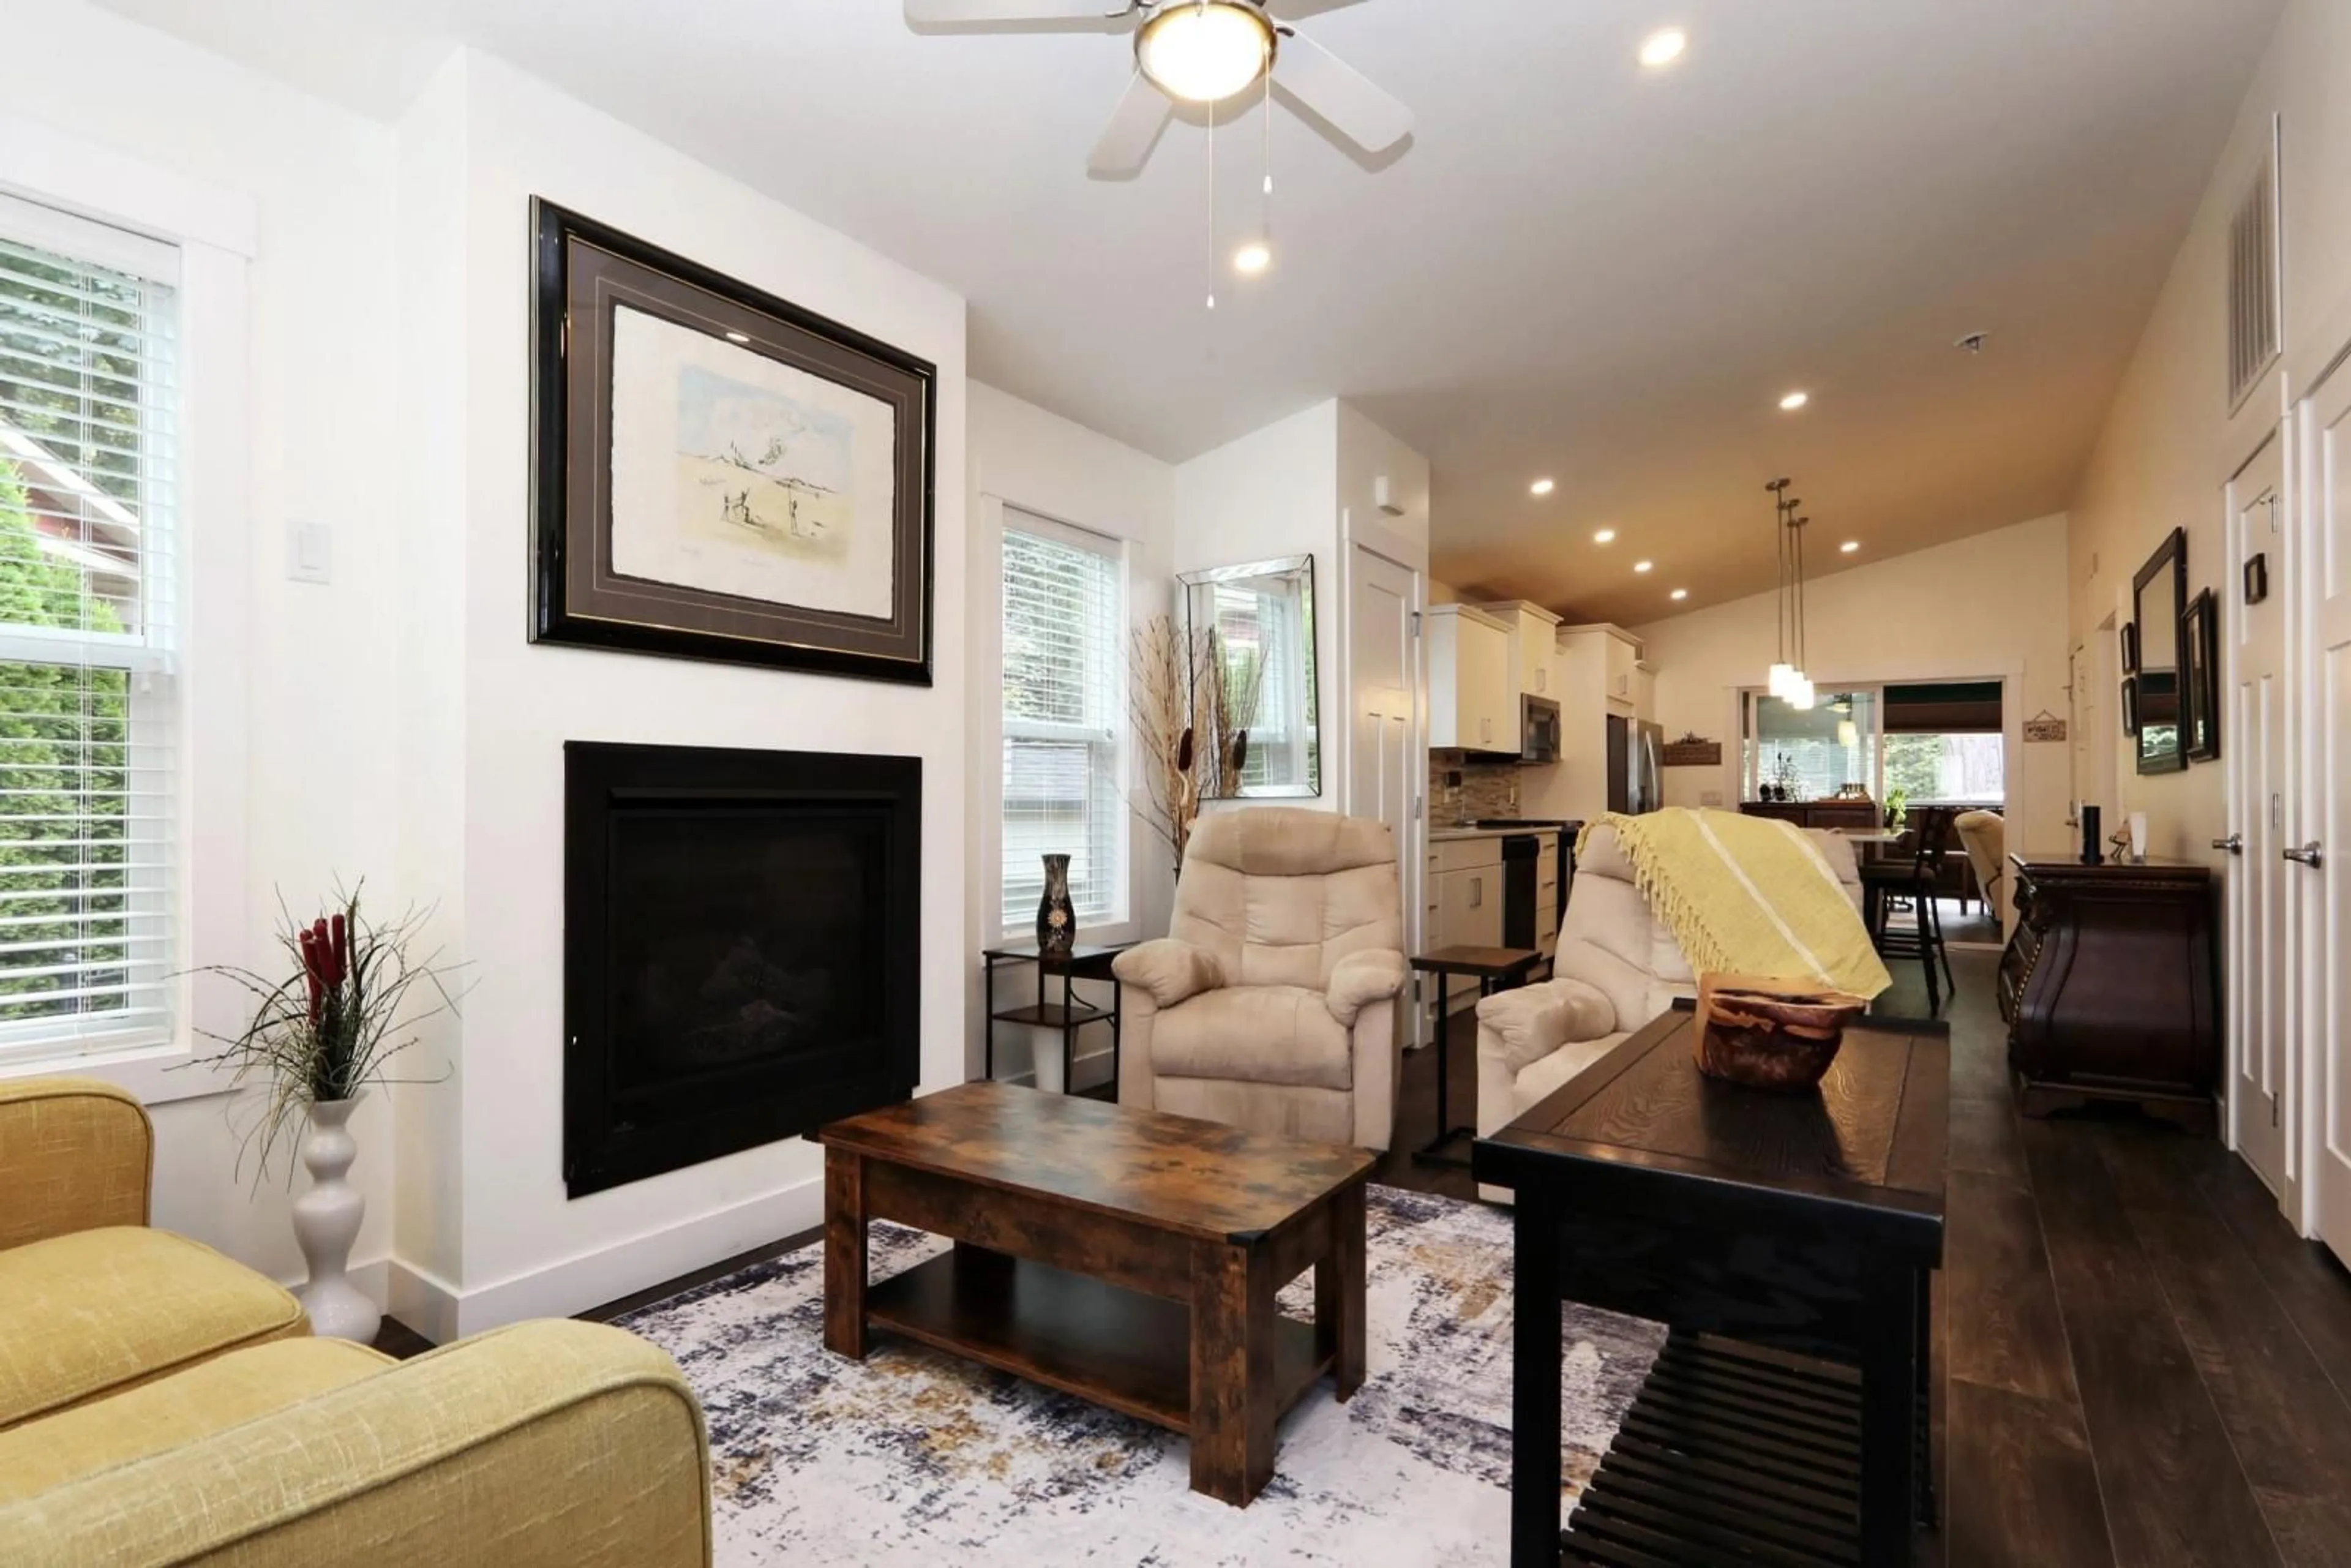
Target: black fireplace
<point x="740" y="940"/>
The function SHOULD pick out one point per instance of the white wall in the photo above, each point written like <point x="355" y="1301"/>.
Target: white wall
<point x="322" y="757"/>
<point x="1274" y="493"/>
<point x="1025" y="457"/>
<point x="2168" y="444"/>
<point x="524" y="1249"/>
<point x="1989" y="606"/>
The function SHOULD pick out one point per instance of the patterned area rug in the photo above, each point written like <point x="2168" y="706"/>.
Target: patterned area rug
<point x="916" y="1458"/>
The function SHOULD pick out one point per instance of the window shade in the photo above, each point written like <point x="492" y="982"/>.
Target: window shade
<point x="88" y="839"/>
<point x="1063" y="682"/>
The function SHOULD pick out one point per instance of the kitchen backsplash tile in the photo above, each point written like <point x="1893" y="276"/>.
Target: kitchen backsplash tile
<point x="1461" y="792"/>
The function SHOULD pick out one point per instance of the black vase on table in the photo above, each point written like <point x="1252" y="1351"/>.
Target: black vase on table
<point x="1056" y="922"/>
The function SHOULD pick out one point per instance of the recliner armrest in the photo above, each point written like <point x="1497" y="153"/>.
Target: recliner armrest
<point x="1360" y="979"/>
<point x="1169" y="969"/>
<point x="1521" y="1026"/>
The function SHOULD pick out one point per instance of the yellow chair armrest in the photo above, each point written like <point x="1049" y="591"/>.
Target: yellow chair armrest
<point x="75" y="1154"/>
<point x="544" y="1445"/>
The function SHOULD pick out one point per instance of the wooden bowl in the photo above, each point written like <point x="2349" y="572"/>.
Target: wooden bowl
<point x="1770" y="1033"/>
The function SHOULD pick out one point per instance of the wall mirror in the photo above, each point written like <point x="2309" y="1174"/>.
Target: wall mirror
<point x="2159" y="605"/>
<point x="1253" y="698"/>
<point x="2199" y="648"/>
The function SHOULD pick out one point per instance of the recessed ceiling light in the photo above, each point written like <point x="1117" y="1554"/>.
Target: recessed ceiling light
<point x="1794" y="400"/>
<point x="1251" y="258"/>
<point x="1679" y="593"/>
<point x="1849" y="545"/>
<point x="1604" y="537"/>
<point x="1664" y="48"/>
<point x="1543" y="487"/>
<point x="1642" y="565"/>
<point x="738" y="337"/>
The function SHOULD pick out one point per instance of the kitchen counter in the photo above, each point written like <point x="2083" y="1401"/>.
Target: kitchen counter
<point x="1445" y="835"/>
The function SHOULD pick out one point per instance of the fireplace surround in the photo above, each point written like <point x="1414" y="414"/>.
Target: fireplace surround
<point x="740" y="949"/>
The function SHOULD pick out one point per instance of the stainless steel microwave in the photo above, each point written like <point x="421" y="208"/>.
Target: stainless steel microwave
<point x="1538" y="729"/>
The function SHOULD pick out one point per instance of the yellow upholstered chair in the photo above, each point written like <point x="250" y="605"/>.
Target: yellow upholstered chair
<point x="162" y="1404"/>
<point x="91" y="1301"/>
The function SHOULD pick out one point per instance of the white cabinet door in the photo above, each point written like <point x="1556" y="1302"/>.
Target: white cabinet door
<point x="1482" y="657"/>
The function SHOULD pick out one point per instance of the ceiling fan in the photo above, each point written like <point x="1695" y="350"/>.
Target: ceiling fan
<point x="1200" y="51"/>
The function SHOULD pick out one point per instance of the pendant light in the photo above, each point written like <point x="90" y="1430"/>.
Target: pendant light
<point x="1787" y="680"/>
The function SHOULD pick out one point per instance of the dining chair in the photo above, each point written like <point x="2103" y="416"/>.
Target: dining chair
<point x="1891" y="881"/>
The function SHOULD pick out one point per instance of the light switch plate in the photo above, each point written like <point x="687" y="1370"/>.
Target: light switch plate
<point x="310" y="552"/>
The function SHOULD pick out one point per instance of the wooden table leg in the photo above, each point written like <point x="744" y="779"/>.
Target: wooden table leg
<point x="1232" y="1372"/>
<point x="1890" y="1387"/>
<point x="1534" y="1385"/>
<point x="844" y="1253"/>
<point x="1339" y="1294"/>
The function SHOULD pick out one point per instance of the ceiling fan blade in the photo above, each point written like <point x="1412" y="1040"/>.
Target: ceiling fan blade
<point x="1365" y="114"/>
<point x="1134" y="129"/>
<point x="955" y="13"/>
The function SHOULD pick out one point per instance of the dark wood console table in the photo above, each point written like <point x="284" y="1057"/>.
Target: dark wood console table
<point x="1786" y="1239"/>
<point x="2108" y="987"/>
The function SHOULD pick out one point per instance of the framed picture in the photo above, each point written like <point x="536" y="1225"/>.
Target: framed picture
<point x="2130" y="647"/>
<point x="2257" y="578"/>
<point x="2130" y="704"/>
<point x="2200" y="647"/>
<point x="718" y="473"/>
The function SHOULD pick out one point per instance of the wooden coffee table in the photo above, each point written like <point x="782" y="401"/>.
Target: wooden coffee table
<point x="1125" y="1256"/>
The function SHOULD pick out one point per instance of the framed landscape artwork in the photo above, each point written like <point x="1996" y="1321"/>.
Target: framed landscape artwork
<point x="718" y="473"/>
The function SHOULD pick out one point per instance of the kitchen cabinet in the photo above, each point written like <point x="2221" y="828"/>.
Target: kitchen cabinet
<point x="1599" y="677"/>
<point x="1464" y="899"/>
<point x="1471" y="705"/>
<point x="1534" y="648"/>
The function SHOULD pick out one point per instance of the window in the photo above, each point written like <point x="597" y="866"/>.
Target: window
<point x="1950" y="769"/>
<point x="1815" y="751"/>
<point x="1064" y="678"/>
<point x="87" y="402"/>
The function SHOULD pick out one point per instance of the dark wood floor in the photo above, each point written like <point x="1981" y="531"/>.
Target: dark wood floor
<point x="2138" y="1362"/>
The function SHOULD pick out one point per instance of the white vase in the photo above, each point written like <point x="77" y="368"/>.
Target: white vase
<point x="325" y="1224"/>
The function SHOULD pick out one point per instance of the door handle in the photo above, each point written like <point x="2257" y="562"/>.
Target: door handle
<point x="2307" y="855"/>
<point x="1477" y="891"/>
<point x="2234" y="843"/>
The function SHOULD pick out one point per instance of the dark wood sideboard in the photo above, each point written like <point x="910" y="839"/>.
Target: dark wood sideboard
<point x="2108" y="987"/>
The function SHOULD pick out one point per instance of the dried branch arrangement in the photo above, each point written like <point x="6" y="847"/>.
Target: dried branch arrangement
<point x="328" y="1031"/>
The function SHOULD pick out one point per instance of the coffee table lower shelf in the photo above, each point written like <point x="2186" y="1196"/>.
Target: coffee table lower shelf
<point x="1100" y="1342"/>
<point x="1729" y="1453"/>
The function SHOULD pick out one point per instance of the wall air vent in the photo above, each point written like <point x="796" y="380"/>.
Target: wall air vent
<point x="2255" y="339"/>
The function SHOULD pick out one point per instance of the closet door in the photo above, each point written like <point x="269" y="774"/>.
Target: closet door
<point x="2253" y="734"/>
<point x="2320" y="861"/>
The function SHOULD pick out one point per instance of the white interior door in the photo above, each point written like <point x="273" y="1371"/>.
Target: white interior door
<point x="2324" y="824"/>
<point x="1386" y="773"/>
<point x="2254" y="741"/>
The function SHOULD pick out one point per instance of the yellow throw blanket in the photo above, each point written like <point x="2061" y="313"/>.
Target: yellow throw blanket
<point x="1748" y="896"/>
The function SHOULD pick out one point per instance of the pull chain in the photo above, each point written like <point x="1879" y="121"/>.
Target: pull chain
<point x="1212" y="206"/>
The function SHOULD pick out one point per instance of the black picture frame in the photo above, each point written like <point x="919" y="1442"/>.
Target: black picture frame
<point x="2130" y="648"/>
<point x="2200" y="647"/>
<point x="583" y="272"/>
<point x="2257" y="578"/>
<point x="2130" y="704"/>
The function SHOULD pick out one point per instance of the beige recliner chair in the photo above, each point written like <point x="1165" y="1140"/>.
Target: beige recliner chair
<point x="1271" y="1004"/>
<point x="1617" y="968"/>
<point x="1984" y="835"/>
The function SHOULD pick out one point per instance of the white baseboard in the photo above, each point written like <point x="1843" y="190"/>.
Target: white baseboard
<point x="440" y="1311"/>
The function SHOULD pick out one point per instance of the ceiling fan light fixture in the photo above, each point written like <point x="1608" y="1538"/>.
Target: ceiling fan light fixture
<point x="1205" y="51"/>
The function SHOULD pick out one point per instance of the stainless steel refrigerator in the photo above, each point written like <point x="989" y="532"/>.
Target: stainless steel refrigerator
<point x="1635" y="765"/>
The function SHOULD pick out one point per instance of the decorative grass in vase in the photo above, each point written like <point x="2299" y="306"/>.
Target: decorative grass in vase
<point x="317" y="1040"/>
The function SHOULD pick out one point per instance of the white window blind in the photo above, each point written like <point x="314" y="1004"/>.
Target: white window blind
<point x="1064" y="673"/>
<point x="88" y="836"/>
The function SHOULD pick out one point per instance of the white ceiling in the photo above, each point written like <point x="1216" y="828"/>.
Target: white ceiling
<point x="1576" y="267"/>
